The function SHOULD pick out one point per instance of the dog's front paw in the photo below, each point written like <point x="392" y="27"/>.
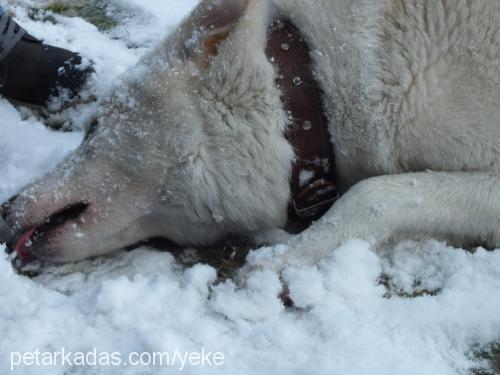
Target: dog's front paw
<point x="249" y="274"/>
<point x="243" y="275"/>
<point x="271" y="237"/>
<point x="264" y="259"/>
<point x="271" y="258"/>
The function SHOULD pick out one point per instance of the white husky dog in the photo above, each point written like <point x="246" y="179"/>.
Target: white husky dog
<point x="191" y="145"/>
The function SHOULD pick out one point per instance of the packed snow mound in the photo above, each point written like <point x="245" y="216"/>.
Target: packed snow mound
<point x="344" y="320"/>
<point x="418" y="308"/>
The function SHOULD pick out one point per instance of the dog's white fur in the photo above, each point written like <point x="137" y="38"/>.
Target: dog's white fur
<point x="191" y="145"/>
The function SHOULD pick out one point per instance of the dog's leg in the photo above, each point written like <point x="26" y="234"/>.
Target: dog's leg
<point x="461" y="208"/>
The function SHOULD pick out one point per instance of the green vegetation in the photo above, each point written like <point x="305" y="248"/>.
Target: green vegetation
<point x="492" y="356"/>
<point x="58" y="8"/>
<point x="95" y="12"/>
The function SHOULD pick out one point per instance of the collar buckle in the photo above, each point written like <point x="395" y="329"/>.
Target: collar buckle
<point x="315" y="199"/>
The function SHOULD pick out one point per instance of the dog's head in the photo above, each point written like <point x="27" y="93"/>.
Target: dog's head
<point x="189" y="146"/>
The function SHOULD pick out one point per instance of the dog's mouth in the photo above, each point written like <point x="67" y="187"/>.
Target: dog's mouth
<point x="26" y="242"/>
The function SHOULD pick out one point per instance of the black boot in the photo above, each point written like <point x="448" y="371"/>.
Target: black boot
<point x="32" y="72"/>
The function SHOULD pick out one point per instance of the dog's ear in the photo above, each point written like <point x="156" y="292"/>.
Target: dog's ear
<point x="213" y="22"/>
<point x="218" y="22"/>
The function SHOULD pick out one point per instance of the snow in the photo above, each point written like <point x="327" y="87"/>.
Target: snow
<point x="416" y="308"/>
<point x="28" y="149"/>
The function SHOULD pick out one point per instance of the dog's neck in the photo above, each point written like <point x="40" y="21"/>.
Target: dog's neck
<point x="313" y="178"/>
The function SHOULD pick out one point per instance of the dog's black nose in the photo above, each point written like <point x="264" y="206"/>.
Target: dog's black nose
<point x="6" y="232"/>
<point x="6" y="207"/>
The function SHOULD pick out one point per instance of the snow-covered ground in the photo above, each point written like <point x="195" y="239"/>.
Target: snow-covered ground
<point x="353" y="313"/>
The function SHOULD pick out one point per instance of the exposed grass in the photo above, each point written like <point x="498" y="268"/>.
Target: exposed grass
<point x="492" y="356"/>
<point x="95" y="12"/>
<point x="58" y="8"/>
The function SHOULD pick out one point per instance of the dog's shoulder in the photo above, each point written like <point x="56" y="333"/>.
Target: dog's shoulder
<point x="399" y="76"/>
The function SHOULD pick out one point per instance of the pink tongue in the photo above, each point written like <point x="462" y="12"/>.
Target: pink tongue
<point x="24" y="244"/>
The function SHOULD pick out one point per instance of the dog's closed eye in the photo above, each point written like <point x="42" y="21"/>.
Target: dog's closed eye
<point x="91" y="129"/>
